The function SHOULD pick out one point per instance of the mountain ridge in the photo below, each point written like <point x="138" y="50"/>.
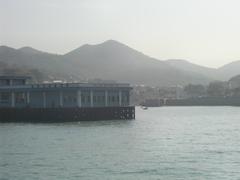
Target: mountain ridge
<point x="112" y="60"/>
<point x="30" y="50"/>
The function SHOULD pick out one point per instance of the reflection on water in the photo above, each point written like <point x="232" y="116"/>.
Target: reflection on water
<point x="162" y="143"/>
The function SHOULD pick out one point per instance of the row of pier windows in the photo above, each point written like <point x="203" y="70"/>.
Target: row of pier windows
<point x="96" y="99"/>
<point x="68" y="98"/>
<point x="99" y="99"/>
<point x="8" y="82"/>
<point x="19" y="97"/>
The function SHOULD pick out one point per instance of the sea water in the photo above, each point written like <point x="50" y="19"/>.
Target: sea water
<point x="194" y="143"/>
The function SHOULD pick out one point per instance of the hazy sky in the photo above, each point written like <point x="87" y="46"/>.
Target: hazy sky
<point x="206" y="32"/>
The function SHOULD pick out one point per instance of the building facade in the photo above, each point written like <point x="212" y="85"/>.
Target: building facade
<point x="15" y="92"/>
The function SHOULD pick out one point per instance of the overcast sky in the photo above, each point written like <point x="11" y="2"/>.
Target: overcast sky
<point x="205" y="32"/>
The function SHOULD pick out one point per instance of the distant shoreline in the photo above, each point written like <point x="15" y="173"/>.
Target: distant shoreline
<point x="203" y="101"/>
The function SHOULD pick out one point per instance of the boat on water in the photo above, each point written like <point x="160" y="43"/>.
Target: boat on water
<point x="21" y="101"/>
<point x="144" y="107"/>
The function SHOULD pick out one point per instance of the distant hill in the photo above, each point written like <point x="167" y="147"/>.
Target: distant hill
<point x="30" y="50"/>
<point x="229" y="70"/>
<point x="36" y="75"/>
<point x="234" y="82"/>
<point x="28" y="57"/>
<point x="223" y="73"/>
<point x="110" y="60"/>
<point x="190" y="67"/>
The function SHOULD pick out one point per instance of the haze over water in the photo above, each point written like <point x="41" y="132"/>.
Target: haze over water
<point x="162" y="143"/>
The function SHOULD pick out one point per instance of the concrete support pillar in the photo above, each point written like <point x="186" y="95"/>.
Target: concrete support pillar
<point x="10" y="82"/>
<point x="91" y="98"/>
<point x="61" y="99"/>
<point x="79" y="98"/>
<point x="106" y="98"/>
<point x="120" y="98"/>
<point x="44" y="100"/>
<point x="13" y="99"/>
<point x="28" y="98"/>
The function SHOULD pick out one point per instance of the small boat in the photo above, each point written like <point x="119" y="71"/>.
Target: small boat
<point x="144" y="107"/>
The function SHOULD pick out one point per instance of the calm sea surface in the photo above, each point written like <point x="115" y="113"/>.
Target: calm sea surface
<point x="194" y="143"/>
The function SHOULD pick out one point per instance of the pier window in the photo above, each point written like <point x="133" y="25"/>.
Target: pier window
<point x="4" y="97"/>
<point x="94" y="99"/>
<point x="86" y="98"/>
<point x="18" y="82"/>
<point x="98" y="98"/>
<point x="4" y="82"/>
<point x="83" y="98"/>
<point x="20" y="97"/>
<point x="113" y="98"/>
<point x="125" y="97"/>
<point x="69" y="98"/>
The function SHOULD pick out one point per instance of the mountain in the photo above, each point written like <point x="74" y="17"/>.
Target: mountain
<point x="234" y="82"/>
<point x="229" y="70"/>
<point x="110" y="60"/>
<point x="37" y="76"/>
<point x="114" y="60"/>
<point x="223" y="73"/>
<point x="29" y="58"/>
<point x="190" y="67"/>
<point x="30" y="50"/>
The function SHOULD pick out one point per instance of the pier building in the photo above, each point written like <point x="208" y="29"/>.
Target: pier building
<point x="111" y="99"/>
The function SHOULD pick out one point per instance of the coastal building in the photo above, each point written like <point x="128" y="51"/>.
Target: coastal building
<point x="16" y="93"/>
